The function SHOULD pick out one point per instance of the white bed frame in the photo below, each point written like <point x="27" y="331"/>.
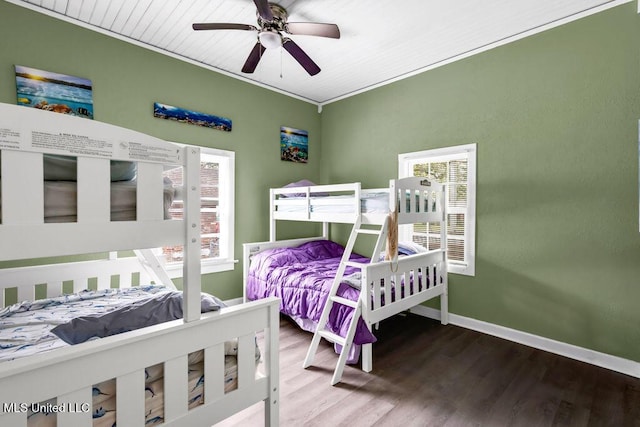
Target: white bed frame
<point x="65" y="373"/>
<point x="373" y="310"/>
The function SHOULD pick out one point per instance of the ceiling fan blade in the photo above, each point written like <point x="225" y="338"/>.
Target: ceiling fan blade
<point x="254" y="57"/>
<point x="313" y="29"/>
<point x="223" y="26"/>
<point x="264" y="10"/>
<point x="300" y="56"/>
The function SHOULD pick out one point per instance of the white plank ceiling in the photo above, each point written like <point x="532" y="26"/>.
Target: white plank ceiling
<point x="380" y="42"/>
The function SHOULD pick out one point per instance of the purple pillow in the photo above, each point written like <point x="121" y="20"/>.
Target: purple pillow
<point x="301" y="183"/>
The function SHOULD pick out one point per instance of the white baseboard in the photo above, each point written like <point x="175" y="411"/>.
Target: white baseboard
<point x="614" y="363"/>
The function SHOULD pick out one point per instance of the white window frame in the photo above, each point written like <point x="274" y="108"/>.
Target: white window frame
<point x="406" y="162"/>
<point x="226" y="193"/>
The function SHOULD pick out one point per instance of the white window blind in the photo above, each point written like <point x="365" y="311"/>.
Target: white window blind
<point x="456" y="168"/>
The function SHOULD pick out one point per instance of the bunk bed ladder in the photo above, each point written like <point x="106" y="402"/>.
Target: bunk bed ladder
<point x="322" y="331"/>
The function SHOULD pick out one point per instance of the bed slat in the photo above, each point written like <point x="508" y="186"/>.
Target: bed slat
<point x="80" y="284"/>
<point x="375" y="292"/>
<point x="77" y="407"/>
<point x="125" y="280"/>
<point x="104" y="282"/>
<point x="26" y="293"/>
<point x="176" y="387"/>
<point x="149" y="192"/>
<point x="130" y="399"/>
<point x="54" y="289"/>
<point x="246" y="353"/>
<point x="94" y="190"/>
<point x="213" y="373"/>
<point x="412" y="198"/>
<point x="22" y="193"/>
<point x="387" y="288"/>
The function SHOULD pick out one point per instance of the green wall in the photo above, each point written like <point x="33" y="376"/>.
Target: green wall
<point x="127" y="79"/>
<point x="555" y="117"/>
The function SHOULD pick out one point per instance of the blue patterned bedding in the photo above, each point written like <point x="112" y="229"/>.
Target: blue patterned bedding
<point x="25" y="327"/>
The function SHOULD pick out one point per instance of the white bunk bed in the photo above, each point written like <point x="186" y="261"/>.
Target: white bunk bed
<point x="413" y="200"/>
<point x="62" y="380"/>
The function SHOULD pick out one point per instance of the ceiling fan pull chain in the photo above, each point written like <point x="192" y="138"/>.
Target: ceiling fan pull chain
<point x="280" y="62"/>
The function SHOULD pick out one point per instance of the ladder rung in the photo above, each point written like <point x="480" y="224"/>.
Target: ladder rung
<point x="330" y="336"/>
<point x="344" y="301"/>
<point x="368" y="231"/>
<point x="355" y="264"/>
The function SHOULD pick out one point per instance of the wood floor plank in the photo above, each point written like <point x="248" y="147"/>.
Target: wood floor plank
<point x="427" y="374"/>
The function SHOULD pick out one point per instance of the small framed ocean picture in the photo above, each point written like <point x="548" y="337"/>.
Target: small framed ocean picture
<point x="55" y="92"/>
<point x="294" y="145"/>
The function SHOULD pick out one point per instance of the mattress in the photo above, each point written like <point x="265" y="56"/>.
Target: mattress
<point x="60" y="200"/>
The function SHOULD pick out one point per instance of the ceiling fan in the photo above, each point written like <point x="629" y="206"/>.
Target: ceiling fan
<point x="272" y="22"/>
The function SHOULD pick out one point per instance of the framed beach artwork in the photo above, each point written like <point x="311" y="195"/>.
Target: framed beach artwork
<point x="294" y="145"/>
<point x="55" y="92"/>
<point x="182" y="115"/>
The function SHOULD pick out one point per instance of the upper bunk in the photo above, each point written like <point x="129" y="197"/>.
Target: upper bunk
<point x="414" y="199"/>
<point x="30" y="138"/>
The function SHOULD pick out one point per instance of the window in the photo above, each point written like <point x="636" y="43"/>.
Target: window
<point x="216" y="213"/>
<point x="456" y="168"/>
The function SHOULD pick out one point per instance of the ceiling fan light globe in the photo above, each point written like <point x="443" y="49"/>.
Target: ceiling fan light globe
<point x="270" y="39"/>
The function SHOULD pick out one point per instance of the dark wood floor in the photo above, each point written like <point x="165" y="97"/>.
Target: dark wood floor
<point x="426" y="374"/>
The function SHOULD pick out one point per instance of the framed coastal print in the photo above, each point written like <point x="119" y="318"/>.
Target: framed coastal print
<point x="182" y="115"/>
<point x="55" y="92"/>
<point x="294" y="145"/>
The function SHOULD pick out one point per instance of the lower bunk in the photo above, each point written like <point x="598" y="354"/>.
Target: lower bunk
<point x="301" y="272"/>
<point x="143" y="369"/>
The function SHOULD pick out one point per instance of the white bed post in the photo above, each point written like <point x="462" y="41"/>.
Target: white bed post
<point x="191" y="263"/>
<point x="272" y="224"/>
<point x="444" y="298"/>
<point x="272" y="402"/>
<point x="325" y="230"/>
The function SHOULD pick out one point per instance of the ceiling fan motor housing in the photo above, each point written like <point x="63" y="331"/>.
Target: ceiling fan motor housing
<point x="279" y="20"/>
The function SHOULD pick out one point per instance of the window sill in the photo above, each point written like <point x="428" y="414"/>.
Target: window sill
<point x="465" y="271"/>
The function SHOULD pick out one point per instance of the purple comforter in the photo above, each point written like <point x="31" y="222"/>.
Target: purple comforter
<point x="301" y="277"/>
